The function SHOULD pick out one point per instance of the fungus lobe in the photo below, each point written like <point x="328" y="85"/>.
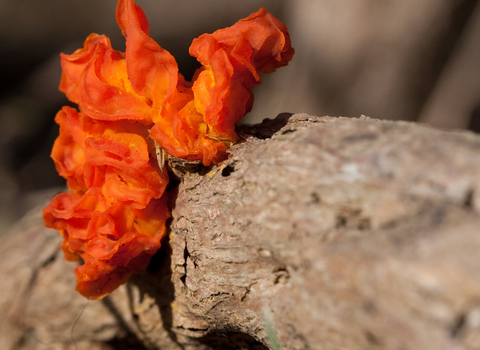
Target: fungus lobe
<point x="114" y="217"/>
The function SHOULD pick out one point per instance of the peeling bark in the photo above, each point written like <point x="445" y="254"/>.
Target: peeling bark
<point x="316" y="233"/>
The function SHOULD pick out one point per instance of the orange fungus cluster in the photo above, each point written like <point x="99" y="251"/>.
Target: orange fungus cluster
<point x="115" y="214"/>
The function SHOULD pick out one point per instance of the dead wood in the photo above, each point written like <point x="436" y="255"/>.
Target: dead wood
<point x="316" y="233"/>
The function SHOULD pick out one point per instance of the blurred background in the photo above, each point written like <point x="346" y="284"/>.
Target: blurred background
<point x="416" y="60"/>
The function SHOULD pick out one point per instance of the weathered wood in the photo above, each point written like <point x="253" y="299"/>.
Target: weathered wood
<point x="334" y="233"/>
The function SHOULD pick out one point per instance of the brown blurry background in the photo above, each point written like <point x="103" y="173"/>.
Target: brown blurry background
<point x="389" y="59"/>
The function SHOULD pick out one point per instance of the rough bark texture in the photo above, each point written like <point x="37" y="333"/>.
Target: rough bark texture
<point x="334" y="233"/>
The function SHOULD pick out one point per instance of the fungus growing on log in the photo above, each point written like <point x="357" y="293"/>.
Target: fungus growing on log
<point x="115" y="214"/>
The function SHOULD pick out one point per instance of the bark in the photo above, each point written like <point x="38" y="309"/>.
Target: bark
<point x="316" y="233"/>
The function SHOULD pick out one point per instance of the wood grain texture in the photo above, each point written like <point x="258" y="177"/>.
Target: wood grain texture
<point x="333" y="233"/>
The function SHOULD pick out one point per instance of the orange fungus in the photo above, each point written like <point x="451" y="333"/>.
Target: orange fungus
<point x="114" y="217"/>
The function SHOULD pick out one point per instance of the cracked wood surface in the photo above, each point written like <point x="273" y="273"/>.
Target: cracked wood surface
<point x="316" y="233"/>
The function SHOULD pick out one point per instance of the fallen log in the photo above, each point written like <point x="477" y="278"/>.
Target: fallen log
<point x="316" y="233"/>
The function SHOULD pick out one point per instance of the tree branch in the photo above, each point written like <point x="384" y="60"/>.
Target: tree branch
<point x="333" y="233"/>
